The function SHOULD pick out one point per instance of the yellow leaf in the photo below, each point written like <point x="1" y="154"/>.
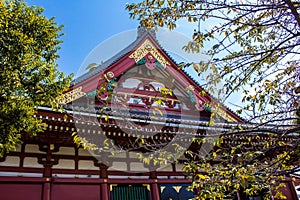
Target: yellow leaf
<point x="196" y="67"/>
<point x="202" y="93"/>
<point x="161" y="2"/>
<point x="236" y="186"/>
<point x="201" y="176"/>
<point x="214" y="154"/>
<point x="226" y="33"/>
<point x="160" y="23"/>
<point x="159" y="102"/>
<point x="291" y="83"/>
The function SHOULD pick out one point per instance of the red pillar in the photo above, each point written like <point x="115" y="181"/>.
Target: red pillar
<point x="104" y="186"/>
<point x="47" y="183"/>
<point x="47" y="191"/>
<point x="104" y="190"/>
<point x="154" y="191"/>
<point x="47" y="174"/>
<point x="154" y="187"/>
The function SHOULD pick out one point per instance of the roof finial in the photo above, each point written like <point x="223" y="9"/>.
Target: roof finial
<point x="142" y="30"/>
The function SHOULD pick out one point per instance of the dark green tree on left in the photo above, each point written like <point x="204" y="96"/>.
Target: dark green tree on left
<point x="29" y="78"/>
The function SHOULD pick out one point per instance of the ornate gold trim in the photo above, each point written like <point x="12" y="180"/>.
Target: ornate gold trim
<point x="150" y="97"/>
<point x="148" y="47"/>
<point x="51" y="147"/>
<point x="222" y="113"/>
<point x="162" y="188"/>
<point x="147" y="185"/>
<point x="111" y="186"/>
<point x="71" y="96"/>
<point x="177" y="188"/>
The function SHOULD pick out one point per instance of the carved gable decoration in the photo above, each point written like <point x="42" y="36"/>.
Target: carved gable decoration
<point x="144" y="50"/>
<point x="71" y="95"/>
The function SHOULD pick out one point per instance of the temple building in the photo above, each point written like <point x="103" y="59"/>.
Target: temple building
<point x="136" y="106"/>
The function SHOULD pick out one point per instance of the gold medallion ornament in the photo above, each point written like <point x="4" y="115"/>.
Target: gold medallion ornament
<point x="109" y="75"/>
<point x="148" y="47"/>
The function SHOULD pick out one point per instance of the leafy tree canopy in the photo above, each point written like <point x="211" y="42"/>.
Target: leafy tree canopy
<point x="29" y="78"/>
<point x="254" y="49"/>
<point x="253" y="43"/>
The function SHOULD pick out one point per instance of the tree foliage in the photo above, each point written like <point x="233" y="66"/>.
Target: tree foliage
<point x="254" y="49"/>
<point x="252" y="43"/>
<point x="29" y="78"/>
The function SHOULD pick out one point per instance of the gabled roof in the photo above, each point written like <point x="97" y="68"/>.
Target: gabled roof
<point x="127" y="58"/>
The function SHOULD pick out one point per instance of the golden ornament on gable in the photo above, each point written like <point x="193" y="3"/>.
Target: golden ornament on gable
<point x="148" y="47"/>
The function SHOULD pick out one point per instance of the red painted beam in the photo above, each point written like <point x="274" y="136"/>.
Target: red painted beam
<point x="23" y="179"/>
<point x="79" y="180"/>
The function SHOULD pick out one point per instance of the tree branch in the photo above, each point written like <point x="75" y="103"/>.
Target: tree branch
<point x="294" y="11"/>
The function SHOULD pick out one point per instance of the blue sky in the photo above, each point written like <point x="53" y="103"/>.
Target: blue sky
<point x="86" y="24"/>
<point x="90" y="23"/>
